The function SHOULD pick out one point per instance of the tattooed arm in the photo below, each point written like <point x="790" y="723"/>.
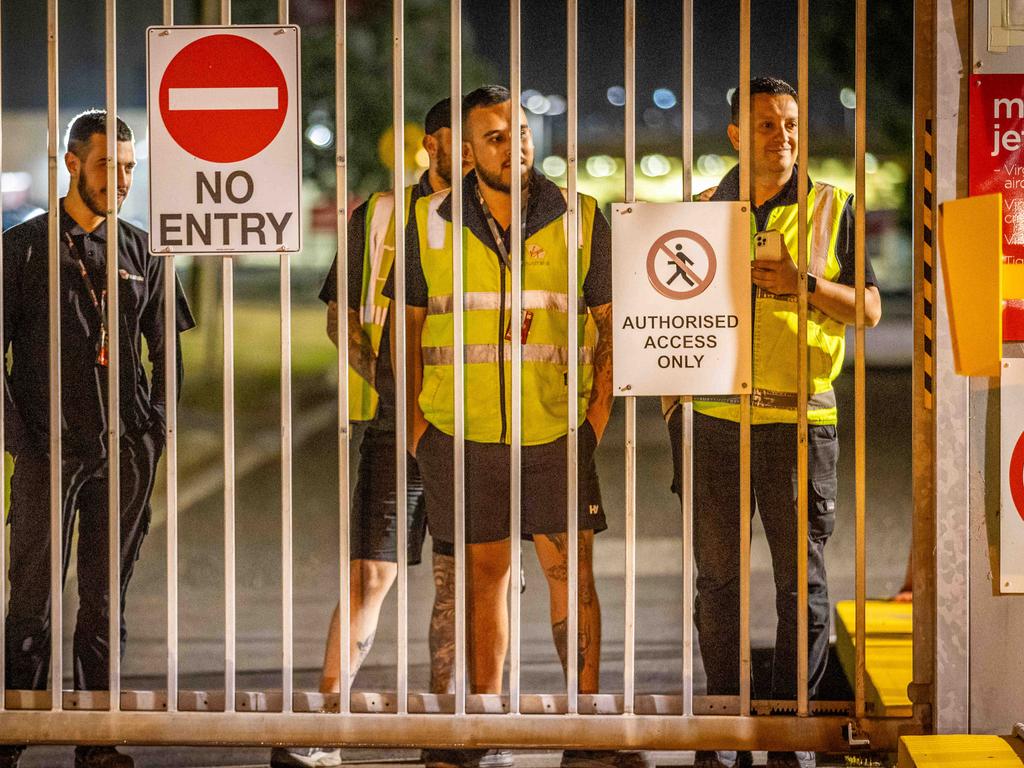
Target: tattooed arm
<point x="360" y="351"/>
<point x="600" y="408"/>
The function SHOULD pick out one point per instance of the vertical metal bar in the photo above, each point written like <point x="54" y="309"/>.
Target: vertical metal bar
<point x="3" y="462"/>
<point x="516" y="267"/>
<point x="458" y="338"/>
<point x="56" y="484"/>
<point x="344" y="426"/>
<point x="686" y="453"/>
<point x="287" y="585"/>
<point x="745" y="511"/>
<point x="113" y="372"/>
<point x="572" y="292"/>
<point x="801" y="367"/>
<point x="228" y="292"/>
<point x="860" y="393"/>
<point x="629" y="651"/>
<point x="401" y="501"/>
<point x="171" y="455"/>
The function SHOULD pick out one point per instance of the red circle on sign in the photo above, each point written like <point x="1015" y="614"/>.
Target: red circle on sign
<point x="225" y="89"/>
<point x="1016" y="471"/>
<point x="695" y="282"/>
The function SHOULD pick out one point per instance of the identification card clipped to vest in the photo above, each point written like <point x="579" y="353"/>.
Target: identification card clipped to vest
<point x="524" y="331"/>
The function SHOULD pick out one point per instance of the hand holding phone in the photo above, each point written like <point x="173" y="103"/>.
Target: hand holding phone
<point x="768" y="245"/>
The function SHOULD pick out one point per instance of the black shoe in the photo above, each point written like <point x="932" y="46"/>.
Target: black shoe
<point x="467" y="758"/>
<point x="10" y="755"/>
<point x="792" y="760"/>
<point x="101" y="757"/>
<point x="723" y="759"/>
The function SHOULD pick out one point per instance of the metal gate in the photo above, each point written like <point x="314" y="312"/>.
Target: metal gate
<point x="674" y="720"/>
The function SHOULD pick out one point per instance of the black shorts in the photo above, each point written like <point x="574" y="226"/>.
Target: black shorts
<point x="544" y="489"/>
<point x="374" y="533"/>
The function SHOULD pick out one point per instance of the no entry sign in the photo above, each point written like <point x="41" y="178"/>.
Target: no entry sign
<point x="225" y="145"/>
<point x="1011" y="497"/>
<point x="681" y="307"/>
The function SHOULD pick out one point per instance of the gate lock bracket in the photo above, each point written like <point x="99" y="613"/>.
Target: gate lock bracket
<point x="855" y="737"/>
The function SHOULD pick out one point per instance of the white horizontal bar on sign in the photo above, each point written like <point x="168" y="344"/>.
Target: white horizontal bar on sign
<point x="222" y="98"/>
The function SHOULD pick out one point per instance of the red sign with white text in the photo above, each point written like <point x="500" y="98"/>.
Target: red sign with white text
<point x="997" y="165"/>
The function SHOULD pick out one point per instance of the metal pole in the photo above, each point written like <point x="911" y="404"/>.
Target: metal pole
<point x="516" y="267"/>
<point x="56" y="489"/>
<point x="287" y="585"/>
<point x="458" y="339"/>
<point x="686" y="453"/>
<point x="401" y="500"/>
<point x="745" y="511"/>
<point x="113" y="372"/>
<point x="3" y="466"/>
<point x="171" y="454"/>
<point x="629" y="651"/>
<point x="572" y="292"/>
<point x="228" y="292"/>
<point x="344" y="426"/>
<point x="801" y="365"/>
<point x="860" y="409"/>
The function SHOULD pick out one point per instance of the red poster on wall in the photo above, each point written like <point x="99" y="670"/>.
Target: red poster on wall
<point x="997" y="165"/>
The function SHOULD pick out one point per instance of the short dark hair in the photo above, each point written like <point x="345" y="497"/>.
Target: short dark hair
<point x="484" y="96"/>
<point x="439" y="116"/>
<point x="773" y="86"/>
<point x="85" y="125"/>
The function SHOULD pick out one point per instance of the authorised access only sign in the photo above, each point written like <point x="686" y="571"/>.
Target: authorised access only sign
<point x="681" y="298"/>
<point x="224" y="139"/>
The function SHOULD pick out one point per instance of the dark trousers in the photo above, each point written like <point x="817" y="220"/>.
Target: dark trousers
<point x="717" y="535"/>
<point x="85" y="496"/>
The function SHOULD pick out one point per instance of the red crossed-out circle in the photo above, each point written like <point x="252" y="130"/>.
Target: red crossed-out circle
<point x="693" y="284"/>
<point x="223" y="62"/>
<point x="1016" y="471"/>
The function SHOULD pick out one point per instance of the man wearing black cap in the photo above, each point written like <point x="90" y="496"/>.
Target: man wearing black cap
<point x="371" y="392"/>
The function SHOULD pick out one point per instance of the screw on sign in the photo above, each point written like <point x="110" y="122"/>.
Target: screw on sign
<point x="1016" y="471"/>
<point x="681" y="264"/>
<point x="223" y="98"/>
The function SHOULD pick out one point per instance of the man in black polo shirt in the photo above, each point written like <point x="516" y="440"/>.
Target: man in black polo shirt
<point x="84" y="353"/>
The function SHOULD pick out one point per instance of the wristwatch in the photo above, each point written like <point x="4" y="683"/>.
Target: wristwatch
<point x="812" y="284"/>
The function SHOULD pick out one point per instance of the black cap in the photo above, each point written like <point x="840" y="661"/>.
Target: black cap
<point x="439" y="116"/>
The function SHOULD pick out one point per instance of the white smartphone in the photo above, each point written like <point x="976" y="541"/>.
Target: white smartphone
<point x="768" y="245"/>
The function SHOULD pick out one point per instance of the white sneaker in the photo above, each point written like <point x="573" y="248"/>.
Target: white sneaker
<point x="304" y="757"/>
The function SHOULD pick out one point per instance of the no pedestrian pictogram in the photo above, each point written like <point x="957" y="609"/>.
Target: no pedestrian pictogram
<point x="681" y="264"/>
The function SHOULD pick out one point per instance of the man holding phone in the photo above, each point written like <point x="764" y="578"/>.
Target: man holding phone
<point x="831" y="306"/>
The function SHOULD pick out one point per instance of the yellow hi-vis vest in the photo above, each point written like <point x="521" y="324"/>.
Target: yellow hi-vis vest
<point x="378" y="259"/>
<point x="487" y="327"/>
<point x="775" y="325"/>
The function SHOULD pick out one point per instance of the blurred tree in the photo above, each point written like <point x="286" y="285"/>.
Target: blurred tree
<point x="427" y="38"/>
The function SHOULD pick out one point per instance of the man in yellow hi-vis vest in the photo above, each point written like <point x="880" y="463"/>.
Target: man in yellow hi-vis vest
<point x="549" y="305"/>
<point x="371" y="396"/>
<point x="831" y="299"/>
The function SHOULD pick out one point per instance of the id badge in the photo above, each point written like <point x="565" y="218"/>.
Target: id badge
<point x="524" y="331"/>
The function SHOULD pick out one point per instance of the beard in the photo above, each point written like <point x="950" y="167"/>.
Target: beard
<point x="495" y="182"/>
<point x="444" y="168"/>
<point x="90" y="197"/>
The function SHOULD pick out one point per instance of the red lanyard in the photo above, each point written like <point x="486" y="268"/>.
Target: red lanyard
<point x="98" y="303"/>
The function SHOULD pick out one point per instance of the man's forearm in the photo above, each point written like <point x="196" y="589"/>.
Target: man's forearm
<point x="361" y="356"/>
<point x="839" y="302"/>
<point x="599" y="409"/>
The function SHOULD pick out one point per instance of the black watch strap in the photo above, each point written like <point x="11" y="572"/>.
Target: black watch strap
<point x="812" y="283"/>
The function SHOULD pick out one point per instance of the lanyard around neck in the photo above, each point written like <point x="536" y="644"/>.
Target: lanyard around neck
<point x="499" y="239"/>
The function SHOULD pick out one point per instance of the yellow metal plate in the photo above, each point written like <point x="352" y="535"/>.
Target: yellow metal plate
<point x="889" y="653"/>
<point x="958" y="751"/>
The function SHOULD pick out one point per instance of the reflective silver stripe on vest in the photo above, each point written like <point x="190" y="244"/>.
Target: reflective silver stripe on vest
<point x="764" y="398"/>
<point x="535" y="300"/>
<point x="821" y="226"/>
<point x="488" y="353"/>
<point x="377" y="231"/>
<point x="436" y="226"/>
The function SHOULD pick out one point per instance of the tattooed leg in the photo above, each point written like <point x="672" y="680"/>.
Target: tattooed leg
<point x="370" y="581"/>
<point x="442" y="626"/>
<point x="552" y="552"/>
